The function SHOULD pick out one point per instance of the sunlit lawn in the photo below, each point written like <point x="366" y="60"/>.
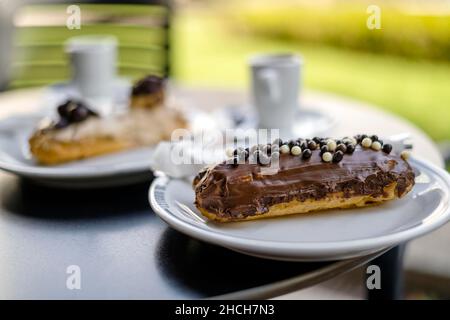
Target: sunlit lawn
<point x="209" y="53"/>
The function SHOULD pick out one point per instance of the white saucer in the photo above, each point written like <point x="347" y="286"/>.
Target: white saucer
<point x="308" y="123"/>
<point x="330" y="235"/>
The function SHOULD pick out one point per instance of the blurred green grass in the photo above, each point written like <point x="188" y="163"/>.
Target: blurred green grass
<point x="418" y="34"/>
<point x="209" y="51"/>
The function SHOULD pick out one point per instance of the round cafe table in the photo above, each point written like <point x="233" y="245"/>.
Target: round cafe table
<point x="123" y="250"/>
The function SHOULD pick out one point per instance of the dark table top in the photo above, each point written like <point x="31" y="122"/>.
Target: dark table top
<point x="124" y="250"/>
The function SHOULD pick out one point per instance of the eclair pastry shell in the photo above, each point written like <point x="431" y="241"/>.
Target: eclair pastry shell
<point x="98" y="136"/>
<point x="226" y="193"/>
<point x="333" y="201"/>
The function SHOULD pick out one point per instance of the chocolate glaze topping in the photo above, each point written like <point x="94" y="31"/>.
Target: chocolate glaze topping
<point x="72" y="111"/>
<point x="236" y="191"/>
<point x="148" y="85"/>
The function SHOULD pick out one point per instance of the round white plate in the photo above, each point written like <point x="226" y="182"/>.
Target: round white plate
<point x="121" y="168"/>
<point x="109" y="170"/>
<point x="115" y="169"/>
<point x="330" y="235"/>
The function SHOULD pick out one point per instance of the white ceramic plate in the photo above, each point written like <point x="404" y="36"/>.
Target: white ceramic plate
<point x="115" y="169"/>
<point x="330" y="235"/>
<point x="110" y="170"/>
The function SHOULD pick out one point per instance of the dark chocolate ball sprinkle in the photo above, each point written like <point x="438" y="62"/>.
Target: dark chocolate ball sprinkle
<point x="306" y="154"/>
<point x="312" y="145"/>
<point x="387" y="148"/>
<point x="341" y="147"/>
<point x="293" y="143"/>
<point x="350" y="149"/>
<point x="263" y="154"/>
<point x="262" y="158"/>
<point x="278" y="142"/>
<point x="338" y="156"/>
<point x="266" y="149"/>
<point x="241" y="153"/>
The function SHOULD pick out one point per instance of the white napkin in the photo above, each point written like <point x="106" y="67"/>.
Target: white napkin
<point x="166" y="158"/>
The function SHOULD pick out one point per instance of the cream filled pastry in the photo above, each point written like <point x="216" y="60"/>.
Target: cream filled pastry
<point x="312" y="174"/>
<point x="148" y="92"/>
<point x="80" y="132"/>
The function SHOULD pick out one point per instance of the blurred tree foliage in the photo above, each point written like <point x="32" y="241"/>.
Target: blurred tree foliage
<point x="416" y="35"/>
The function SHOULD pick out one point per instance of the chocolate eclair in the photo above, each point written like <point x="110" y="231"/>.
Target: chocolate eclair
<point x="80" y="133"/>
<point x="310" y="175"/>
<point x="148" y="92"/>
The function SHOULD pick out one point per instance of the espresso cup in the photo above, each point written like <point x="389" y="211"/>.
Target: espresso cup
<point x="275" y="82"/>
<point x="93" y="63"/>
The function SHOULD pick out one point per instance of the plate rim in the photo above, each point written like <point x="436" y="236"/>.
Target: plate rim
<point x="94" y="171"/>
<point x="303" y="248"/>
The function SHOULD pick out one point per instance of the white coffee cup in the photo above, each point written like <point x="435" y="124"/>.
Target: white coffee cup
<point x="93" y="62"/>
<point x="275" y="89"/>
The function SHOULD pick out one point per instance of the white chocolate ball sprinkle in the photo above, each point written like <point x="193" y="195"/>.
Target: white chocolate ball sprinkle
<point x="331" y="144"/>
<point x="284" y="148"/>
<point x="376" y="145"/>
<point x="229" y="152"/>
<point x="366" y="143"/>
<point x="347" y="140"/>
<point x="405" y="155"/>
<point x="296" y="150"/>
<point x="327" y="157"/>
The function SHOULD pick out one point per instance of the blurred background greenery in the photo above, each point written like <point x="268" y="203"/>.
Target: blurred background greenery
<point x="40" y="58"/>
<point x="404" y="67"/>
